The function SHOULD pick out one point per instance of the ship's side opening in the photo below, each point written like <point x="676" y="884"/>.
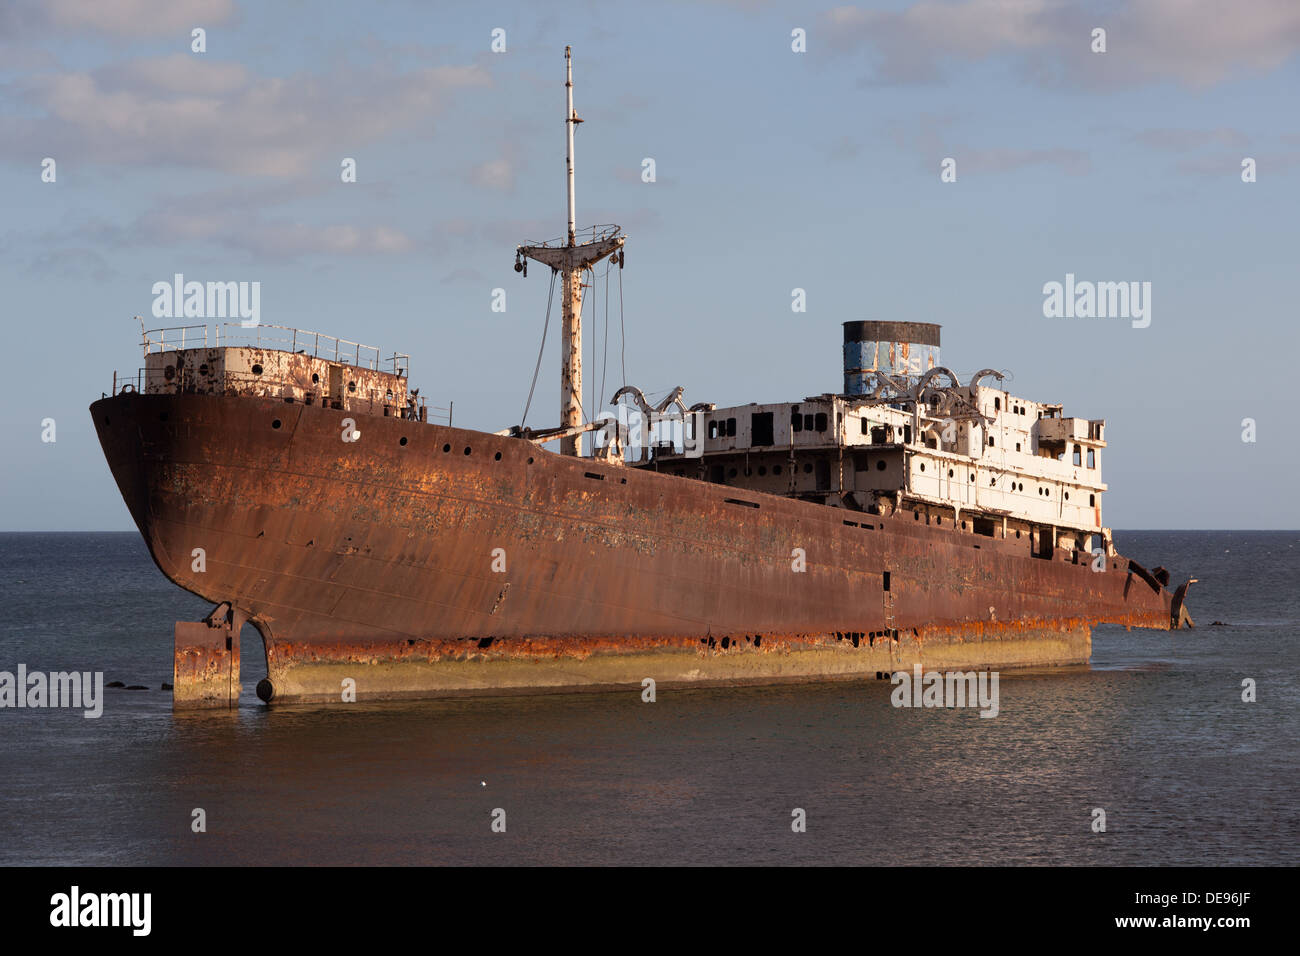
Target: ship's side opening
<point x="253" y="666"/>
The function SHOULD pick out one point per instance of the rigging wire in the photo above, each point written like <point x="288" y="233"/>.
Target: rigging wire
<point x="622" y="328"/>
<point x="595" y="338"/>
<point x="537" y="368"/>
<point x="592" y="272"/>
<point x="605" y="361"/>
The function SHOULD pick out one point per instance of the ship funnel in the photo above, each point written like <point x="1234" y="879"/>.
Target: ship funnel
<point x="901" y="349"/>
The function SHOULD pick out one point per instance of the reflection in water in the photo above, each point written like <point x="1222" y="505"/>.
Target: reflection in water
<point x="1154" y="733"/>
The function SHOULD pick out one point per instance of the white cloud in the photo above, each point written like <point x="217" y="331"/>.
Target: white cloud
<point x="1181" y="140"/>
<point x="1201" y="42"/>
<point x="1193" y="42"/>
<point x="497" y="174"/>
<point x="200" y="112"/>
<point x="130" y="18"/>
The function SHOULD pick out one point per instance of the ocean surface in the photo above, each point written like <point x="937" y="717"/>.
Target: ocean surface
<point x="1155" y="733"/>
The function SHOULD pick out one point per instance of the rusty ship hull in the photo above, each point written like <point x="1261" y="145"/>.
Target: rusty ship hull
<point x="423" y="560"/>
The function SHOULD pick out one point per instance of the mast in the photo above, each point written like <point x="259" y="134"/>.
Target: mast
<point x="570" y="123"/>
<point x="571" y="258"/>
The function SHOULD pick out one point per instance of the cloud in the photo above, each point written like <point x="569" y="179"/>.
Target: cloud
<point x="931" y="138"/>
<point x="136" y="18"/>
<point x="495" y="174"/>
<point x="1193" y="42"/>
<point x="844" y="149"/>
<point x="1072" y="161"/>
<point x="236" y="219"/>
<point x="237" y="230"/>
<point x="1221" y="165"/>
<point x="462" y="275"/>
<point x="191" y="111"/>
<point x="71" y="263"/>
<point x="910" y="44"/>
<point x="176" y="74"/>
<point x="1201" y="42"/>
<point x="1184" y="140"/>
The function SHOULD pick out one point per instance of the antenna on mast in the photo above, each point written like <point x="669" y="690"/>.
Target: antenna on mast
<point x="570" y="121"/>
<point x="570" y="257"/>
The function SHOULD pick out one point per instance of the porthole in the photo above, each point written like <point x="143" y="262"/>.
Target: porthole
<point x="923" y="466"/>
<point x="315" y="379"/>
<point x="1092" y="500"/>
<point x="352" y="386"/>
<point x="276" y="423"/>
<point x="169" y="372"/>
<point x="963" y="526"/>
<point x="1067" y="496"/>
<point x="257" y="370"/>
<point x="972" y="476"/>
<point x="497" y="456"/>
<point x="467" y="449"/>
<point x="1017" y="534"/>
<point x="402" y="441"/>
<point x="530" y="461"/>
<point x="776" y="469"/>
<point x="203" y="369"/>
<point x="762" y="470"/>
<point x="949" y="472"/>
<point x="880" y="465"/>
<point x="447" y="448"/>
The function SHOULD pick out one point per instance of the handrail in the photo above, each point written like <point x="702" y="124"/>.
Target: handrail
<point x="161" y="343"/>
<point x="279" y="337"/>
<point x="586" y="234"/>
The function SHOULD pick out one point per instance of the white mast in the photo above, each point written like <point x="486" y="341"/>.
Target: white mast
<point x="570" y="258"/>
<point x="570" y="121"/>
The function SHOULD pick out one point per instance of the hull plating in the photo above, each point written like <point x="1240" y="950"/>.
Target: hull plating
<point x="467" y="563"/>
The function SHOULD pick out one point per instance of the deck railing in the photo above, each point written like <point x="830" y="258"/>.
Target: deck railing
<point x="279" y="337"/>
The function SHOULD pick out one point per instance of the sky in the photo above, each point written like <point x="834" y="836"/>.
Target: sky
<point x="794" y="146"/>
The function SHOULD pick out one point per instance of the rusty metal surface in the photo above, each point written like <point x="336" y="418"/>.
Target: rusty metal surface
<point x="378" y="551"/>
<point x="205" y="670"/>
<point x="271" y="373"/>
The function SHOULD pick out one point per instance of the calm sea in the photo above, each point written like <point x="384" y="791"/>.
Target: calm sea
<point x="1155" y="733"/>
